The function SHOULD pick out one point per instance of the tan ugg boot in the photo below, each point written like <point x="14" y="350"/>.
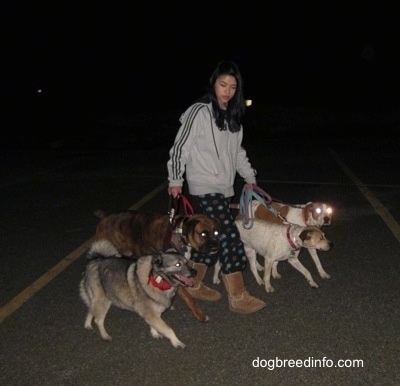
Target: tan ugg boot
<point x="199" y="290"/>
<point x="239" y="299"/>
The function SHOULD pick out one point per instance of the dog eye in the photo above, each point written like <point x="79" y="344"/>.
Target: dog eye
<point x="318" y="210"/>
<point x="204" y="235"/>
<point x="178" y="265"/>
<point x="329" y="210"/>
<point x="216" y="233"/>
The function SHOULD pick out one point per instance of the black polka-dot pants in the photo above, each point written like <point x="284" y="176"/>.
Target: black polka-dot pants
<point x="232" y="255"/>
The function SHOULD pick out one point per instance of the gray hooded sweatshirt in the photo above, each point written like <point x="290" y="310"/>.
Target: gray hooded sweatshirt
<point x="209" y="156"/>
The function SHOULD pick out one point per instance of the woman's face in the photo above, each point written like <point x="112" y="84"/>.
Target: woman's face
<point x="225" y="88"/>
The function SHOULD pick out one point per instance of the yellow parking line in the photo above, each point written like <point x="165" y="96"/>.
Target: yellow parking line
<point x="390" y="221"/>
<point x="46" y="278"/>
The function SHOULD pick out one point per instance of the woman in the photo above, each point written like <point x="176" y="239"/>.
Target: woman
<point x="208" y="148"/>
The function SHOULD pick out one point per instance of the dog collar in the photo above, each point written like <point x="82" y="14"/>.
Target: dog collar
<point x="179" y="223"/>
<point x="291" y="242"/>
<point x="178" y="243"/>
<point x="159" y="283"/>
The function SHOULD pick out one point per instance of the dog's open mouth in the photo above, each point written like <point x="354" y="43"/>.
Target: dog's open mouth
<point x="186" y="281"/>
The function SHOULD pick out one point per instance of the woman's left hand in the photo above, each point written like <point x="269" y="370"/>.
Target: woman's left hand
<point x="250" y="186"/>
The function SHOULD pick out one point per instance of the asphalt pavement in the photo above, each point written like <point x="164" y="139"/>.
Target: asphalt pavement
<point x="346" y="332"/>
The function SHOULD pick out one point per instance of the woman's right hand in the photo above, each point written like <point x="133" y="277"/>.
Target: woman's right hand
<point x="175" y="191"/>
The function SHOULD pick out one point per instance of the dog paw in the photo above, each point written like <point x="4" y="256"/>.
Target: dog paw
<point x="178" y="344"/>
<point x="325" y="275"/>
<point x="106" y="337"/>
<point x="313" y="284"/>
<point x="216" y="280"/>
<point x="269" y="289"/>
<point x="155" y="333"/>
<point x="276" y="275"/>
<point x="201" y="317"/>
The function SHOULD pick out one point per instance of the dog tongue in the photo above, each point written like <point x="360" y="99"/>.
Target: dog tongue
<point x="186" y="280"/>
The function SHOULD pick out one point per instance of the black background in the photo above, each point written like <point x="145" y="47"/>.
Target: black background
<point x="92" y="59"/>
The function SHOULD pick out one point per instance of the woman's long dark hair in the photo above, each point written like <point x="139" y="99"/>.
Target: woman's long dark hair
<point x="236" y="107"/>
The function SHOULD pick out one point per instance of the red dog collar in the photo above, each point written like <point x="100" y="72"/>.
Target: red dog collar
<point x="292" y="244"/>
<point x="160" y="284"/>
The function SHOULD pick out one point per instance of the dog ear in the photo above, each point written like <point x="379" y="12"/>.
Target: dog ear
<point x="158" y="261"/>
<point x="216" y="223"/>
<point x="305" y="235"/>
<point x="157" y="258"/>
<point x="189" y="226"/>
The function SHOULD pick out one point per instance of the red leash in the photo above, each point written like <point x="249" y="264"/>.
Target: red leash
<point x="187" y="206"/>
<point x="173" y="209"/>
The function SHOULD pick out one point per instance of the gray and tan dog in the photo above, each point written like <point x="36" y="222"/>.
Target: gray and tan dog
<point x="146" y="286"/>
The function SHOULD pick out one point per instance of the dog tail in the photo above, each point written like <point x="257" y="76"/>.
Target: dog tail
<point x="102" y="249"/>
<point x="99" y="213"/>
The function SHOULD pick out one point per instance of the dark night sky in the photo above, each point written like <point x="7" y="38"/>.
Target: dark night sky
<point x="146" y="54"/>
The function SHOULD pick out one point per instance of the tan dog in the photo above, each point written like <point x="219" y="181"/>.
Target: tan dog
<point x="277" y="242"/>
<point x="311" y="214"/>
<point x="138" y="233"/>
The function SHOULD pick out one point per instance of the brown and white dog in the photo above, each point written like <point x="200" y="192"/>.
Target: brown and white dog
<point x="311" y="214"/>
<point x="278" y="242"/>
<point x="315" y="213"/>
<point x="136" y="234"/>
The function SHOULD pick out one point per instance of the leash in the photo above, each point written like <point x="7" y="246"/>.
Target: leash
<point x="187" y="206"/>
<point x="173" y="207"/>
<point x="256" y="193"/>
<point x="247" y="196"/>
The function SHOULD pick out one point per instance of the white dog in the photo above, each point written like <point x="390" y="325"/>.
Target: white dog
<point x="277" y="242"/>
<point x="311" y="214"/>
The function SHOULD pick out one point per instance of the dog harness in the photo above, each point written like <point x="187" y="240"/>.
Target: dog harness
<point x="177" y="241"/>
<point x="174" y="234"/>
<point x="176" y="237"/>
